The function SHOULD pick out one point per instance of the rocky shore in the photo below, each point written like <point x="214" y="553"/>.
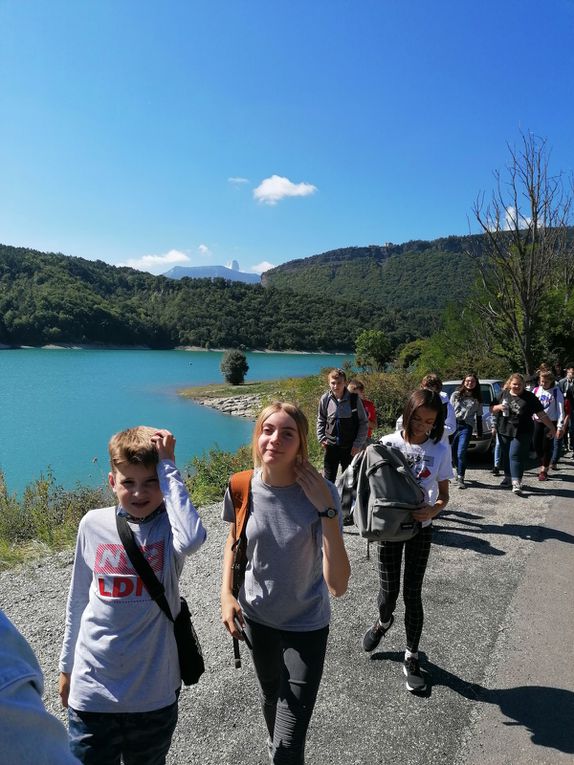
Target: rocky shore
<point x="239" y="406"/>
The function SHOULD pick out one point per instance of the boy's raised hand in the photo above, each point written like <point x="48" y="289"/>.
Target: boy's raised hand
<point x="164" y="442"/>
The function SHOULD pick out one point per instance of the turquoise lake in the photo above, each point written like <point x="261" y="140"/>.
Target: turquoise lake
<point x="58" y="408"/>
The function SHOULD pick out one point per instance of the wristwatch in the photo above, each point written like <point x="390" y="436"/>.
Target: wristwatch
<point x="328" y="512"/>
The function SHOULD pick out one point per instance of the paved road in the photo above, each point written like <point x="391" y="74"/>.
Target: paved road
<point x="497" y="644"/>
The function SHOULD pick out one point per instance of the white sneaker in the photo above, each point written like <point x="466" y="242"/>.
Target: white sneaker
<point x="460" y="482"/>
<point x="516" y="487"/>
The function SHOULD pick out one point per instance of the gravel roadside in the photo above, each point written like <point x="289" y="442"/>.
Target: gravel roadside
<point x="363" y="714"/>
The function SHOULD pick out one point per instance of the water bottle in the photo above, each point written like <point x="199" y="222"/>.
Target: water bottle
<point x="505" y="408"/>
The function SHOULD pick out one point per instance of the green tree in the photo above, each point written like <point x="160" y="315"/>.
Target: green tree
<point x="372" y="349"/>
<point x="234" y="366"/>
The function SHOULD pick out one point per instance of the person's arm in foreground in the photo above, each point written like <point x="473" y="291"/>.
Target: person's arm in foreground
<point x="28" y="733"/>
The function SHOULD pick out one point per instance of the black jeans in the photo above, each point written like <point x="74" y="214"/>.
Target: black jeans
<point x="289" y="667"/>
<point x="335" y="456"/>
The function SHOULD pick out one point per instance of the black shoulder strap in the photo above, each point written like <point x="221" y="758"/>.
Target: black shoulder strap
<point x="354" y="411"/>
<point x="142" y="567"/>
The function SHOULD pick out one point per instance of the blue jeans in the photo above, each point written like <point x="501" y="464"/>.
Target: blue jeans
<point x="460" y="445"/>
<point x="514" y="454"/>
<point x="141" y="738"/>
<point x="497" y="457"/>
<point x="556" y="450"/>
<point x="289" y="667"/>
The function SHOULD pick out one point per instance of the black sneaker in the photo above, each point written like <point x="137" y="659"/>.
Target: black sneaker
<point x="495" y="470"/>
<point x="374" y="634"/>
<point x="415" y="680"/>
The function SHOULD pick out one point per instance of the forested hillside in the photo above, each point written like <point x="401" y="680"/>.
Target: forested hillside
<point x="413" y="275"/>
<point x="53" y="298"/>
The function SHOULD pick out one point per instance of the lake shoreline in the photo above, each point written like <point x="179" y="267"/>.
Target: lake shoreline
<point x="191" y="348"/>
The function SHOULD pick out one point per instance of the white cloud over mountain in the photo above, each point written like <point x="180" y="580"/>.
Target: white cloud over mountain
<point x="261" y="267"/>
<point x="157" y="263"/>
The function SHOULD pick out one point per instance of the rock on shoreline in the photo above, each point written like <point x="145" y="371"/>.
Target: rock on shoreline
<point x="239" y="406"/>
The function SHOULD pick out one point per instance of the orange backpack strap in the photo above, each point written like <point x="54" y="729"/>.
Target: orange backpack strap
<point x="240" y="490"/>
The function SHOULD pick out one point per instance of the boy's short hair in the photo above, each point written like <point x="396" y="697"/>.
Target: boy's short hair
<point x="338" y="373"/>
<point x="133" y="445"/>
<point x="433" y="381"/>
<point x="570" y="365"/>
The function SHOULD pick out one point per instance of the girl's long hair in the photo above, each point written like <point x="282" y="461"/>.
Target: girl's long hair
<point x="296" y="414"/>
<point x="427" y="398"/>
<point x="475" y="393"/>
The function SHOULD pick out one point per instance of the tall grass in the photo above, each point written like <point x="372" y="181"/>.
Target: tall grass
<point x="45" y="518"/>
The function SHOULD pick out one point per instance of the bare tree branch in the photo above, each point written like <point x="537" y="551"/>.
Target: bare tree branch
<point x="525" y="246"/>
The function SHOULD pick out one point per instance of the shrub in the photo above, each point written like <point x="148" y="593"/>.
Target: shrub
<point x="234" y="366"/>
<point x="210" y="473"/>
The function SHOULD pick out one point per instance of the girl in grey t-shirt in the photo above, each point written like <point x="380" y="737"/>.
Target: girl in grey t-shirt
<point x="295" y="558"/>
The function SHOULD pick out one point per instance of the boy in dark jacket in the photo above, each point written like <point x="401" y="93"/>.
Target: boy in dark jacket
<point x="342" y="424"/>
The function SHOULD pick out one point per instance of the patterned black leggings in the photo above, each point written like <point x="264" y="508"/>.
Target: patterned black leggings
<point x="390" y="555"/>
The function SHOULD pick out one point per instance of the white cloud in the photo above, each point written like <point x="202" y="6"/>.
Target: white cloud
<point x="273" y="189"/>
<point x="204" y="250"/>
<point x="261" y="267"/>
<point x="237" y="180"/>
<point x="157" y="263"/>
<point x="512" y="218"/>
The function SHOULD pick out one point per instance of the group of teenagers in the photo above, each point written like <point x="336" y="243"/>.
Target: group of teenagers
<point x="119" y="667"/>
<point x="534" y="417"/>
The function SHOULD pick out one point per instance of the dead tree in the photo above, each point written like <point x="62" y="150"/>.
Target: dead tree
<point x="525" y="238"/>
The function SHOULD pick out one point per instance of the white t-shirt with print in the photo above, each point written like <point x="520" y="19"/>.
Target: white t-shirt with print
<point x="429" y="462"/>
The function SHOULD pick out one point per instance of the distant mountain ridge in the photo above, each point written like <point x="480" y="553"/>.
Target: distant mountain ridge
<point x="50" y="298"/>
<point x="212" y="272"/>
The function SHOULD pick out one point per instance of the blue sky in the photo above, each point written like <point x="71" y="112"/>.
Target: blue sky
<point x="193" y="133"/>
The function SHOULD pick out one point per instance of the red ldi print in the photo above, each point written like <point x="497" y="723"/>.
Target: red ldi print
<point x="117" y="577"/>
<point x="113" y="559"/>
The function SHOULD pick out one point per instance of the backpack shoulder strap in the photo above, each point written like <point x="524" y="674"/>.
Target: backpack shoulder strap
<point x="354" y="411"/>
<point x="240" y="490"/>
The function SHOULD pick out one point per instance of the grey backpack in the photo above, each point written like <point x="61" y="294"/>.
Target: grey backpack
<point x="385" y="492"/>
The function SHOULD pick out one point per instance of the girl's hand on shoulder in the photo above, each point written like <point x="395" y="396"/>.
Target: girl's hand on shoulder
<point x="314" y="485"/>
<point x="164" y="442"/>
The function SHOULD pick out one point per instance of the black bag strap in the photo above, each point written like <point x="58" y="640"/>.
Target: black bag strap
<point x="354" y="412"/>
<point x="142" y="567"/>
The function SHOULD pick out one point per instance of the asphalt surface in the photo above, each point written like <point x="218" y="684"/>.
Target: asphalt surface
<point x="496" y="647"/>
